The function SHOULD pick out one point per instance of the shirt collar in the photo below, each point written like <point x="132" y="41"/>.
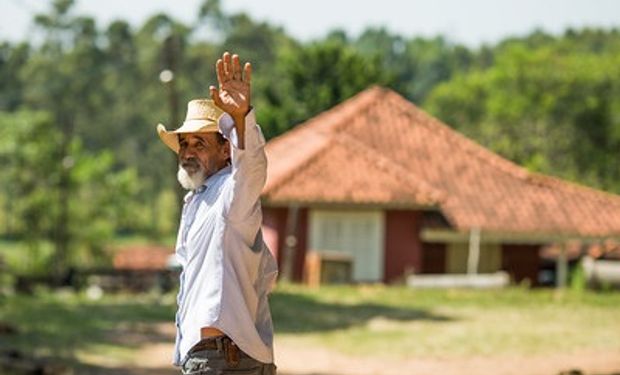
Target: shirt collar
<point x="216" y="175"/>
<point x="205" y="184"/>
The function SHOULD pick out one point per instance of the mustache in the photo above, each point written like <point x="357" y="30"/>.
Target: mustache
<point x="191" y="163"/>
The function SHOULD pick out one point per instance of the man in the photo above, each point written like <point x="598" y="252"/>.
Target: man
<point x="223" y="319"/>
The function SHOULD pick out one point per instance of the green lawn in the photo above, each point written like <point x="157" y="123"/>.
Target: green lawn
<point x="399" y="322"/>
<point x="67" y="325"/>
<point x="387" y="321"/>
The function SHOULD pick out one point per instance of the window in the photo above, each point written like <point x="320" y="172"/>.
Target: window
<point x="359" y="234"/>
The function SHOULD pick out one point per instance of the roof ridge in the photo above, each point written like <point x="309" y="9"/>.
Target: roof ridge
<point x="469" y="145"/>
<point x="350" y="106"/>
<point x="316" y="125"/>
<point x="505" y="165"/>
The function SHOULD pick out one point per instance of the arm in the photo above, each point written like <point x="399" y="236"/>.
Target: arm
<point x="249" y="166"/>
<point x="249" y="163"/>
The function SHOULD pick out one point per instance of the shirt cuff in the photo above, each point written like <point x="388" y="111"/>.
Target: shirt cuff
<point x="253" y="135"/>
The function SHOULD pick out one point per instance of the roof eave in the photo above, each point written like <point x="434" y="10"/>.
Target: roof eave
<point x="495" y="236"/>
<point x="266" y="202"/>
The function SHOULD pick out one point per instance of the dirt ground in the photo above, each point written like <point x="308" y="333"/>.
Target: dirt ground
<point x="294" y="358"/>
<point x="321" y="361"/>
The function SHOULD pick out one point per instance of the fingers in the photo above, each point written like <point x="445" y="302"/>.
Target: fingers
<point x="228" y="70"/>
<point x="236" y="67"/>
<point x="215" y="96"/>
<point x="219" y="69"/>
<point x="223" y="68"/>
<point x="247" y="72"/>
<point x="229" y="67"/>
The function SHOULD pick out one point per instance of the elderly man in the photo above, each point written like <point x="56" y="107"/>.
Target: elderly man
<point x="223" y="319"/>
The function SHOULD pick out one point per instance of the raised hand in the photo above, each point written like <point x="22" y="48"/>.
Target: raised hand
<point x="233" y="95"/>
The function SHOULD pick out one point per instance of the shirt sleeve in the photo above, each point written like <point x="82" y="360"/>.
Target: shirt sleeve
<point x="249" y="167"/>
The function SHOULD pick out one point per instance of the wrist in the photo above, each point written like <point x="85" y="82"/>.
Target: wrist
<point x="242" y="114"/>
<point x="239" y="120"/>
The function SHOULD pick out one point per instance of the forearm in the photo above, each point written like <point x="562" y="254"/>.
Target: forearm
<point x="240" y="127"/>
<point x="249" y="164"/>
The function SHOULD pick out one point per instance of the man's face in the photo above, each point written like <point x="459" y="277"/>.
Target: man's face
<point x="200" y="156"/>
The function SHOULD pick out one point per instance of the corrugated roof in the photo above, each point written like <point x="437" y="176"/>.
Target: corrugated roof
<point x="378" y="148"/>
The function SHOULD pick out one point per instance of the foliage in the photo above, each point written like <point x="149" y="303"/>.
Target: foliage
<point x="549" y="102"/>
<point x="549" y="108"/>
<point x="319" y="76"/>
<point x="387" y="322"/>
<point x="417" y="65"/>
<point x="33" y="168"/>
<point x="67" y="325"/>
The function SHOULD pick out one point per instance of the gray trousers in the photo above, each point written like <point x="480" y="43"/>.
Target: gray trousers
<point x="217" y="362"/>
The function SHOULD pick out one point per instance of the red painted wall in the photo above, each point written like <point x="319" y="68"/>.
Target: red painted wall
<point x="403" y="248"/>
<point x="521" y="262"/>
<point x="274" y="227"/>
<point x="274" y="233"/>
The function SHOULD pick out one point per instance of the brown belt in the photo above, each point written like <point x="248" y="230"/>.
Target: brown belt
<point x="220" y="343"/>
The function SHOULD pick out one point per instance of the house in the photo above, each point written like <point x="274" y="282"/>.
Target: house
<point x="381" y="181"/>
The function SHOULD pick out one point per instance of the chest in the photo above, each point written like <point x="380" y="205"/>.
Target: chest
<point x="201" y="217"/>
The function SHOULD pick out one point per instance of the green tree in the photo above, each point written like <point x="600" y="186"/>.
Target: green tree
<point x="321" y="75"/>
<point x="416" y="65"/>
<point x="12" y="58"/>
<point x="553" y="109"/>
<point x="101" y="198"/>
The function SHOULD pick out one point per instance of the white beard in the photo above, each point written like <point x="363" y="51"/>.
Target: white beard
<point x="191" y="182"/>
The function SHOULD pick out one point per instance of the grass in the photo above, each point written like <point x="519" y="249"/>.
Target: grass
<point x="70" y="326"/>
<point x="390" y="322"/>
<point x="398" y="322"/>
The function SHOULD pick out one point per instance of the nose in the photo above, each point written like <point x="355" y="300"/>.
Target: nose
<point x="186" y="153"/>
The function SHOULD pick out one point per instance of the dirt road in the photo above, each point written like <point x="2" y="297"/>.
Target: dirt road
<point x="294" y="358"/>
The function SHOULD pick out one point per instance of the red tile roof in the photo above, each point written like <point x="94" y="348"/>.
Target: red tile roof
<point x="379" y="149"/>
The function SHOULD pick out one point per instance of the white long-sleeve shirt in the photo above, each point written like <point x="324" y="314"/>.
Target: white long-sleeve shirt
<point x="228" y="270"/>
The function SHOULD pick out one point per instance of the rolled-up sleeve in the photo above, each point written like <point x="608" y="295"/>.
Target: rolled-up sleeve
<point x="249" y="167"/>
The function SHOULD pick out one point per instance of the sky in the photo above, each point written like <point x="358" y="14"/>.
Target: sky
<point x="472" y="22"/>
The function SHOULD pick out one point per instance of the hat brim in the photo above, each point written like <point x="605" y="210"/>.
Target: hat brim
<point x="171" y="137"/>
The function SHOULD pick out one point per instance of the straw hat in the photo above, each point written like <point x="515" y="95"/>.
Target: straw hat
<point x="202" y="117"/>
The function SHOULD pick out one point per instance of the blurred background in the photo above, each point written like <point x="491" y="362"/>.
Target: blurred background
<point x="90" y="204"/>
